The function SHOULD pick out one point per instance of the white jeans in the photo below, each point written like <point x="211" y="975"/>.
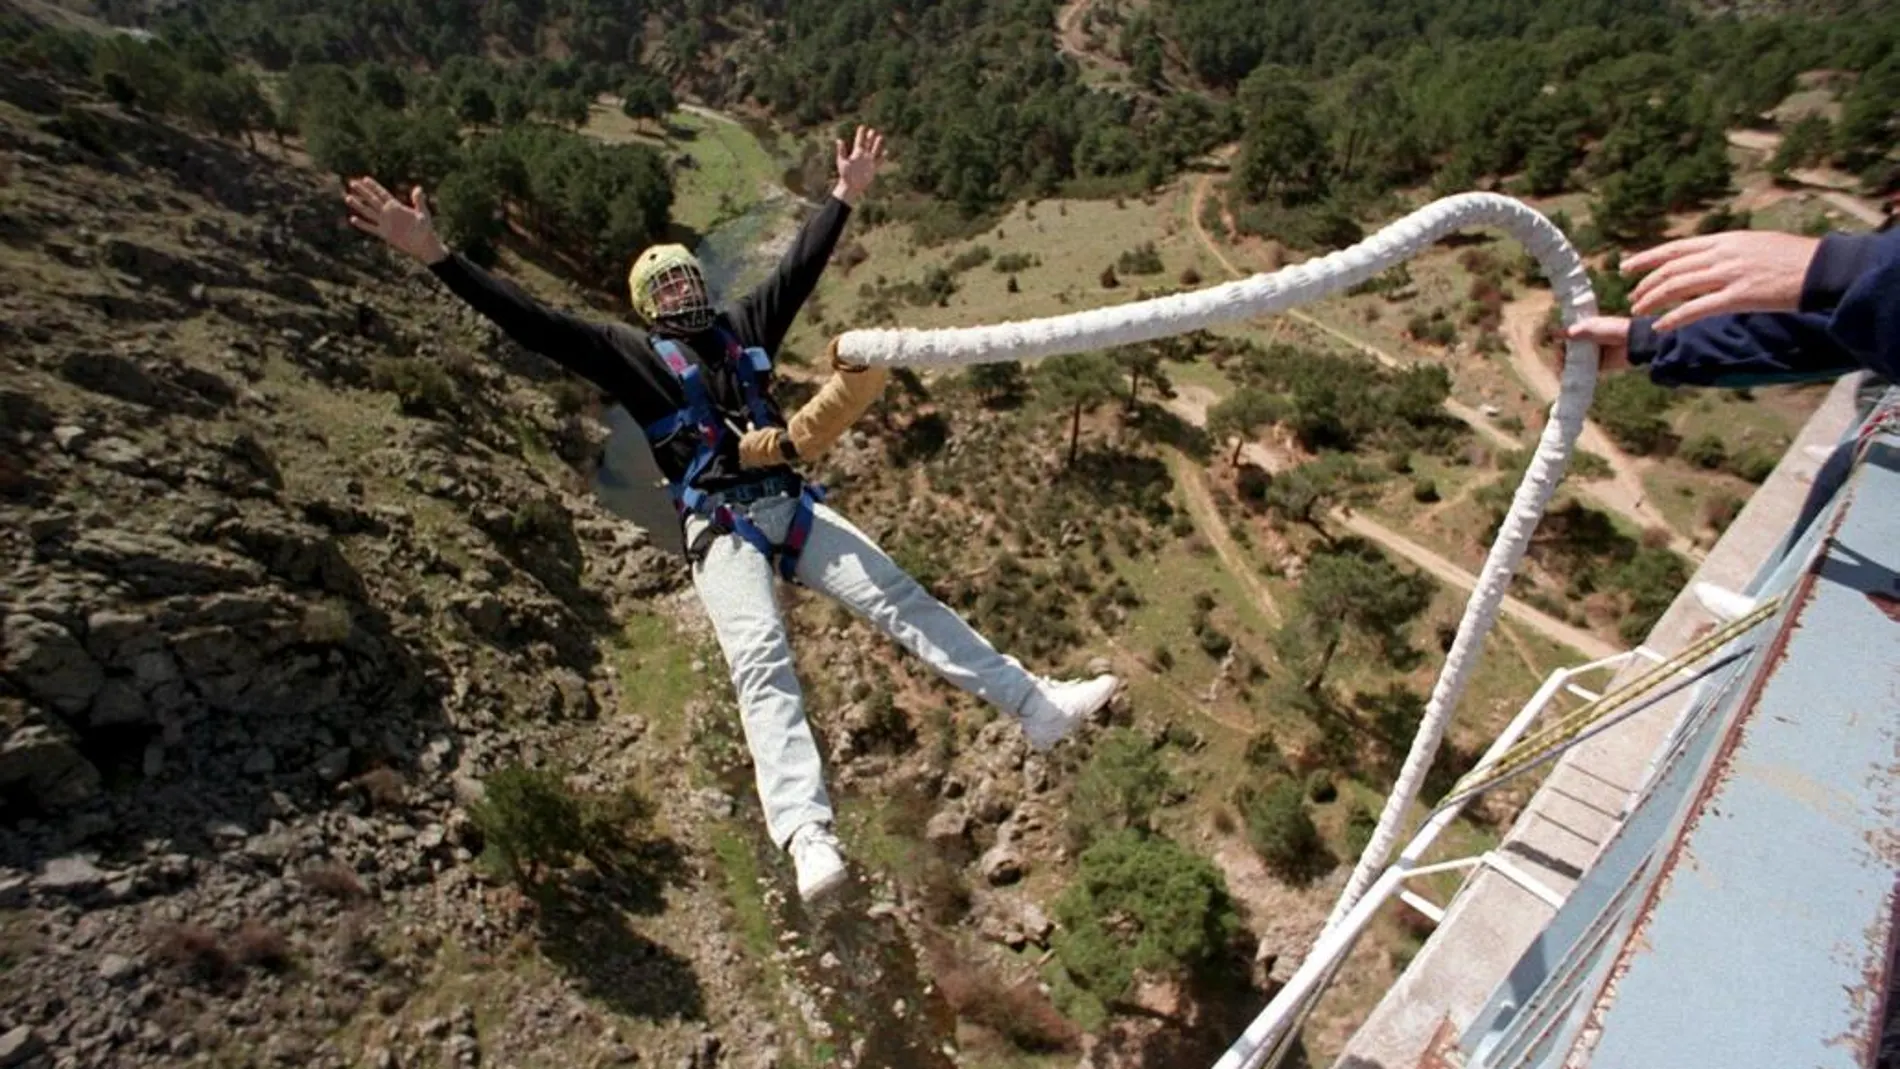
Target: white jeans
<point x="736" y="584"/>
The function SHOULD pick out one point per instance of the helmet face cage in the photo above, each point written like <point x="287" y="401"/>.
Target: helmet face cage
<point x="678" y="299"/>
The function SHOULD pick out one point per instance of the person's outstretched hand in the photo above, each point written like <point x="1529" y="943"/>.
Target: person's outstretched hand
<point x="857" y="167"/>
<point x="1612" y="335"/>
<point x="1740" y="271"/>
<point x="407" y="227"/>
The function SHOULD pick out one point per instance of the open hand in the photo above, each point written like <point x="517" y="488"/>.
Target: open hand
<point x="1720" y="274"/>
<point x="406" y="226"/>
<point x="857" y="167"/>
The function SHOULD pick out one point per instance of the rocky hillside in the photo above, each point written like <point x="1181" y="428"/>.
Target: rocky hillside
<point x="294" y="563"/>
<point x="302" y="578"/>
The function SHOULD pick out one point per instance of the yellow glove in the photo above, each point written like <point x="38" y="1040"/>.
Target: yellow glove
<point x="764" y="447"/>
<point x="844" y="397"/>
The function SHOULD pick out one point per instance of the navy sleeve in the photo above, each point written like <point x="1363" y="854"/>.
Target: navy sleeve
<point x="1857" y="278"/>
<point x="1736" y="351"/>
<point x="764" y="316"/>
<point x="582" y="347"/>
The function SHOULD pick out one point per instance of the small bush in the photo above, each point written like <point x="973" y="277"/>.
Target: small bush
<point x="1189" y="276"/>
<point x="1108" y="279"/>
<point x="1721" y="510"/>
<point x="1282" y="832"/>
<point x="1705" y="451"/>
<point x="1143" y="259"/>
<point x="194" y="950"/>
<point x="970" y="259"/>
<point x="530" y="823"/>
<point x="1265" y="755"/>
<point x="1320" y="788"/>
<point x="1587" y="465"/>
<point x="571" y="396"/>
<point x="1424" y="490"/>
<point x="1361" y="822"/>
<point x="383" y="787"/>
<point x="1213" y="642"/>
<point x="260" y="947"/>
<point x="333" y="878"/>
<point x="422" y="388"/>
<point x="1120" y="787"/>
<point x="1753" y="464"/>
<point x="1013" y="263"/>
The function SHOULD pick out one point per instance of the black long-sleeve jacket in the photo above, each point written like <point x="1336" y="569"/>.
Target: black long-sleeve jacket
<point x="621" y="360"/>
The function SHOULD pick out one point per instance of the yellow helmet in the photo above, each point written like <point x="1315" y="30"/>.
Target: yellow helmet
<point x="668" y="289"/>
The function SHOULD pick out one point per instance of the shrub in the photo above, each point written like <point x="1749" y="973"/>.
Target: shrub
<point x="1264" y="754"/>
<point x="333" y="878"/>
<point x="1588" y="465"/>
<point x="1753" y="463"/>
<point x="1705" y="451"/>
<point x="1424" y="490"/>
<point x="1282" y="832"/>
<point x="1360" y="824"/>
<point x="422" y="388"/>
<point x="970" y="259"/>
<point x="260" y="947"/>
<point x="1320" y="788"/>
<point x="1120" y="787"/>
<point x="1721" y="510"/>
<point x="1140" y="903"/>
<point x="1143" y="259"/>
<point x="530" y="823"/>
<point x="194" y="950"/>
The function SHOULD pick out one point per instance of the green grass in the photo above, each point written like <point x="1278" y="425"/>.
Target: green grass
<point x="657" y="679"/>
<point x="731" y="169"/>
<point x="739" y="863"/>
<point x="1072" y="241"/>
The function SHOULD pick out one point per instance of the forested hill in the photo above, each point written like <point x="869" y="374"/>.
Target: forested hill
<point x="1335" y="105"/>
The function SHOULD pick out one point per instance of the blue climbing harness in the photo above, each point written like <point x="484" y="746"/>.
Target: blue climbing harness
<point x="701" y="416"/>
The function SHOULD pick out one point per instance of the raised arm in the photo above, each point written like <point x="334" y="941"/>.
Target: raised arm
<point x="764" y="316"/>
<point x="572" y="342"/>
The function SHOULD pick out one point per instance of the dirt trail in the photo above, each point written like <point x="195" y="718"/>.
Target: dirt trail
<point x="1191" y="403"/>
<point x="1544" y="624"/>
<point x="1825" y="184"/>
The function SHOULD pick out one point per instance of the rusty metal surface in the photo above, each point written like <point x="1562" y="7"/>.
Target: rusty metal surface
<point x="1768" y="937"/>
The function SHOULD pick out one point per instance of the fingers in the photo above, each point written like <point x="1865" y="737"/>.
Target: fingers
<point x="1672" y="272"/>
<point x="1603" y="330"/>
<point x="861" y="143"/>
<point x="839" y="146"/>
<point x="1718" y="303"/>
<point x="419" y="202"/>
<point x="365" y="225"/>
<point x="1650" y="259"/>
<point x="376" y="190"/>
<point x="877" y="145"/>
<point x="1679" y="286"/>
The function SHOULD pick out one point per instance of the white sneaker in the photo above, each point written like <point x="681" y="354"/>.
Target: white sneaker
<point x="816" y="858"/>
<point x="1057" y="708"/>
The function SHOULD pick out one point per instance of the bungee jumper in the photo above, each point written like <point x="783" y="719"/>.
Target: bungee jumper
<point x="698" y="380"/>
